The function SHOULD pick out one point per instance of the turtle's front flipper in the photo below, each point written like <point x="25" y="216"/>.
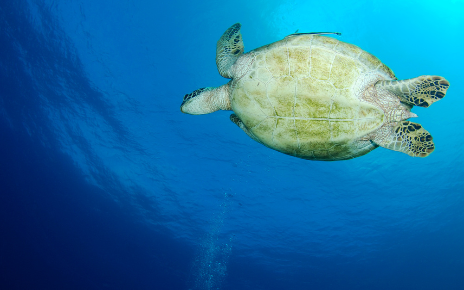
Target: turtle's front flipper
<point x="406" y="137"/>
<point x="229" y="48"/>
<point x="236" y="120"/>
<point x="421" y="91"/>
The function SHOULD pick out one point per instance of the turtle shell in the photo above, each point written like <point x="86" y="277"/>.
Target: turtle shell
<point x="302" y="97"/>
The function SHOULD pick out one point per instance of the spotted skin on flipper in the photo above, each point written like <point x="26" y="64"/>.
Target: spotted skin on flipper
<point x="421" y="91"/>
<point x="229" y="48"/>
<point x="406" y="137"/>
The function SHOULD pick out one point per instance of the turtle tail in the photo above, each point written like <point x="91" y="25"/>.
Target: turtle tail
<point x="405" y="136"/>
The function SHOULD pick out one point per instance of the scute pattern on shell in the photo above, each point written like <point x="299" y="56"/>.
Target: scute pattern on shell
<point x="299" y="97"/>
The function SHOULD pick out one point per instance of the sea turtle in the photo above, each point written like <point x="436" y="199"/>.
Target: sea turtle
<point x="318" y="98"/>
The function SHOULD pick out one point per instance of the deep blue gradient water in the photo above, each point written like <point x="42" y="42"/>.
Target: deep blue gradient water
<point x="105" y="184"/>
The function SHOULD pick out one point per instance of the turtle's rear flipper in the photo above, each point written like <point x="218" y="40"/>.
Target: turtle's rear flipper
<point x="406" y="137"/>
<point x="421" y="91"/>
<point x="228" y="49"/>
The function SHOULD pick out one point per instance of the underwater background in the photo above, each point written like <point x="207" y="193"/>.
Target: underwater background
<point x="105" y="184"/>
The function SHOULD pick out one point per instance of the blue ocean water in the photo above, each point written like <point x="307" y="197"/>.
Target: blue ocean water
<point x="105" y="184"/>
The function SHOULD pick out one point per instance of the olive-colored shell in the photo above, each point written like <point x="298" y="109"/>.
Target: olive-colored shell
<point x="301" y="97"/>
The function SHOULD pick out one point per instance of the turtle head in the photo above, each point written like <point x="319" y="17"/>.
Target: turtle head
<point x="206" y="100"/>
<point x="193" y="102"/>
